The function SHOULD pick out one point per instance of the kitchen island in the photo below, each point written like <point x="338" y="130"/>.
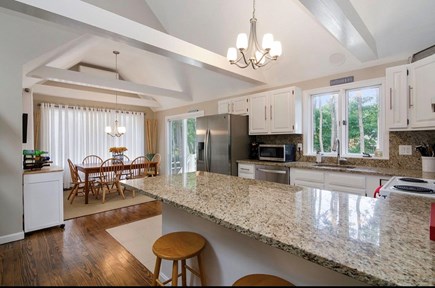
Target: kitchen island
<point x="307" y="236"/>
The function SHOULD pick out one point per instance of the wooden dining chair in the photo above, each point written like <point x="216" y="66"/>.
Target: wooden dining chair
<point x="110" y="174"/>
<point x="93" y="159"/>
<point x="125" y="173"/>
<point x="154" y="170"/>
<point x="78" y="183"/>
<point x="138" y="169"/>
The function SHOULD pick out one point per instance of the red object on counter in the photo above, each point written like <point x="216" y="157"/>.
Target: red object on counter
<point x="376" y="194"/>
<point x="432" y="222"/>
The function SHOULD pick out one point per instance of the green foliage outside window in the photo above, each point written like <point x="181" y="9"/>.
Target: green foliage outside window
<point x="362" y="120"/>
<point x="363" y="108"/>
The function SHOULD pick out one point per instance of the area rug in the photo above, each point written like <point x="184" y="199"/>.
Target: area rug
<point x="138" y="237"/>
<point x="113" y="201"/>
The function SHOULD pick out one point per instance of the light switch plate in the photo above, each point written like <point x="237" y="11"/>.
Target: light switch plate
<point x="405" y="149"/>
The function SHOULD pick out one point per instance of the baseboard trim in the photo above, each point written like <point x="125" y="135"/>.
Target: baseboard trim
<point x="12" y="237"/>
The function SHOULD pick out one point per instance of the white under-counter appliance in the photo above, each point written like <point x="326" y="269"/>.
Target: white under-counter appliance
<point x="408" y="185"/>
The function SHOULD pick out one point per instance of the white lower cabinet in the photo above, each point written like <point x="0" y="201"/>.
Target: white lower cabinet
<point x="246" y="170"/>
<point x="360" y="184"/>
<point x="307" y="178"/>
<point x="43" y="200"/>
<point x="345" y="182"/>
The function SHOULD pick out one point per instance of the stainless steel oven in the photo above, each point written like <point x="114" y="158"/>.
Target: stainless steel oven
<point x="272" y="173"/>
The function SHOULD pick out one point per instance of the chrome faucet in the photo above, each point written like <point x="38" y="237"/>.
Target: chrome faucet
<point x="336" y="147"/>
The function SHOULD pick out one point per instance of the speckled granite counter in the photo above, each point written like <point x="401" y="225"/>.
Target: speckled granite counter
<point x="357" y="169"/>
<point x="376" y="241"/>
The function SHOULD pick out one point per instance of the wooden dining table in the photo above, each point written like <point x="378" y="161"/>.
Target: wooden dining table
<point x="90" y="168"/>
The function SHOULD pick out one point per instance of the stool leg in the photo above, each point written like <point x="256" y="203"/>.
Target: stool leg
<point x="175" y="273"/>
<point x="157" y="270"/>
<point x="183" y="272"/>
<point x="201" y="272"/>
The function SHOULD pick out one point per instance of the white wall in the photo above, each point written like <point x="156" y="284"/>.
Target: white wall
<point x="22" y="39"/>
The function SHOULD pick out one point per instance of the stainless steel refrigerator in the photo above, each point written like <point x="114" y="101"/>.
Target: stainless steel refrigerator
<point x="221" y="140"/>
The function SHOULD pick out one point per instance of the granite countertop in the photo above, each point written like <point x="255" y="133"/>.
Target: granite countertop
<point x="376" y="241"/>
<point x="357" y="169"/>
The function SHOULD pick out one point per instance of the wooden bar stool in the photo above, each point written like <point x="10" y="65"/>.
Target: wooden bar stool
<point x="178" y="246"/>
<point x="262" y="280"/>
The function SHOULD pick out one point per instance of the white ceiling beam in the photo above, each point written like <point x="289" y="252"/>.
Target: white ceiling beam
<point x="56" y="58"/>
<point x="343" y="22"/>
<point x="85" y="79"/>
<point x="91" y="19"/>
<point x="92" y="96"/>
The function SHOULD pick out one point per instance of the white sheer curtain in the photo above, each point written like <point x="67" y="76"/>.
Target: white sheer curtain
<point x="74" y="132"/>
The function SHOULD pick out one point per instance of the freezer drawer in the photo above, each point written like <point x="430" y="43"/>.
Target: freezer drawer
<point x="272" y="174"/>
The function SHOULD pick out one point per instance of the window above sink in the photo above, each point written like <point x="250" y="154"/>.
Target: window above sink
<point x="350" y="113"/>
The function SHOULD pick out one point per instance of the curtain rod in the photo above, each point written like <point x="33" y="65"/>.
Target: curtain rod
<point x="101" y="108"/>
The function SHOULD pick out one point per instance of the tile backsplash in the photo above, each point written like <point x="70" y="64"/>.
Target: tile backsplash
<point x="413" y="138"/>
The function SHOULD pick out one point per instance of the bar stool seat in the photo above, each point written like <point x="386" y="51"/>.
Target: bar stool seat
<point x="178" y="246"/>
<point x="262" y="280"/>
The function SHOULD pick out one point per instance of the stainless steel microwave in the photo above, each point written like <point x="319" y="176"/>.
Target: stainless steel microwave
<point x="277" y="152"/>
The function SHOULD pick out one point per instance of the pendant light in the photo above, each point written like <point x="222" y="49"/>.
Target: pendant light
<point x="116" y="131"/>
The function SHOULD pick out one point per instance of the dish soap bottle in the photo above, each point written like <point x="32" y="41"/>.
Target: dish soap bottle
<point x="318" y="157"/>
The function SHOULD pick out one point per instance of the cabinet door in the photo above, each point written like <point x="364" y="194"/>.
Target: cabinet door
<point x="224" y="106"/>
<point x="258" y="114"/>
<point x="397" y="97"/>
<point x="306" y="177"/>
<point x="281" y="111"/>
<point x="423" y="93"/>
<point x="43" y="200"/>
<point x="240" y="106"/>
<point x="346" y="182"/>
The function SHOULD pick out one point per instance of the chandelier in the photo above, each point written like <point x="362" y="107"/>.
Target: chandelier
<point x="117" y="130"/>
<point x="250" y="52"/>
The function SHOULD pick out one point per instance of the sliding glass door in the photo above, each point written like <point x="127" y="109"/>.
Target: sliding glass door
<point x="181" y="131"/>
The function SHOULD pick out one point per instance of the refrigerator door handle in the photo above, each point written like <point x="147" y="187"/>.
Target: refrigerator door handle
<point x="208" y="155"/>
<point x="206" y="150"/>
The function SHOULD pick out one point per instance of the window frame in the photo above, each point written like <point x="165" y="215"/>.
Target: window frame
<point x="184" y="116"/>
<point x="342" y="115"/>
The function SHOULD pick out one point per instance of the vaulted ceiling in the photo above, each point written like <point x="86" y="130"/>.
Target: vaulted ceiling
<point x="173" y="52"/>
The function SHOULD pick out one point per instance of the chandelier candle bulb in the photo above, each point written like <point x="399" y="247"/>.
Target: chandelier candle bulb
<point x="232" y="54"/>
<point x="242" y="41"/>
<point x="267" y="41"/>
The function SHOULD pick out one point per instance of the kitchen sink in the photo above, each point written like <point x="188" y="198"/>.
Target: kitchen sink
<point x="336" y="166"/>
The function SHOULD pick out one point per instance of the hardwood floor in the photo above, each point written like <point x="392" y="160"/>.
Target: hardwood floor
<point x="82" y="254"/>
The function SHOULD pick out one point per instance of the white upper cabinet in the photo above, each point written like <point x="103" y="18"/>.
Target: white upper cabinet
<point x="239" y="105"/>
<point x="276" y="112"/>
<point x="397" y="97"/>
<point x="410" y="93"/>
<point x="258" y="114"/>
<point x="422" y="78"/>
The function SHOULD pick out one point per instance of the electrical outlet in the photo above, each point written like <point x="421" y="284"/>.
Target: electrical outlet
<point x="300" y="147"/>
<point x="405" y="149"/>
